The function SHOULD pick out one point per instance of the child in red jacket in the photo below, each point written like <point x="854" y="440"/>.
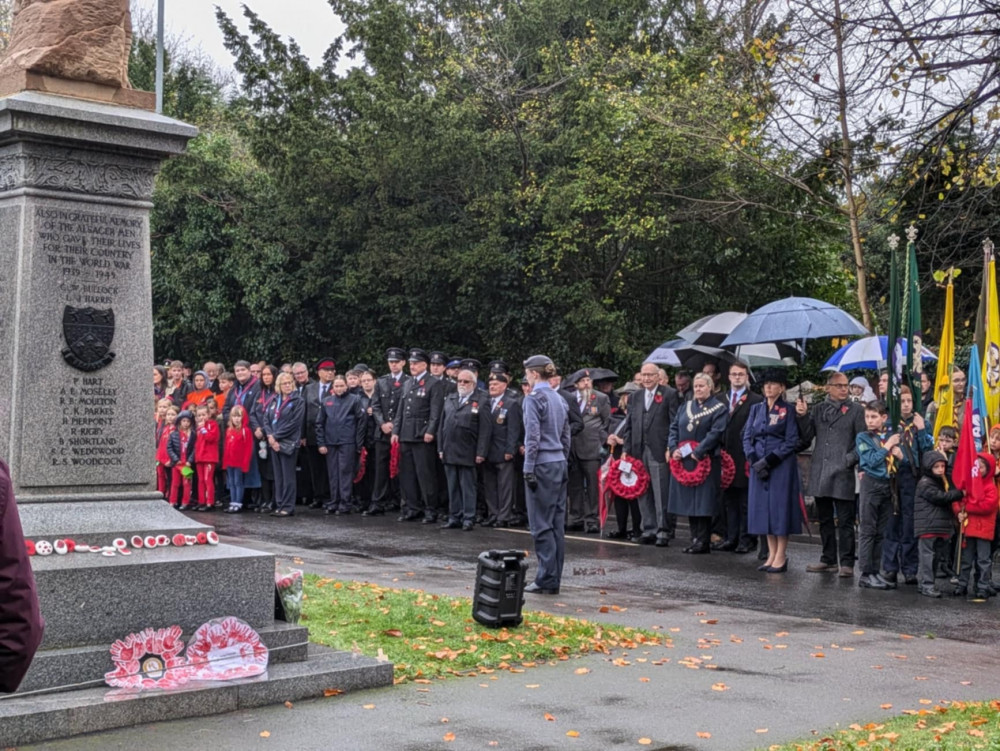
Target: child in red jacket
<point x="977" y="514"/>
<point x="236" y="456"/>
<point x="206" y="457"/>
<point x="163" y="430"/>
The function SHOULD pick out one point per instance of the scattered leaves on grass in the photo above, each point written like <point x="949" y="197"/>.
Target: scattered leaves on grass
<point x="332" y="692"/>
<point x="449" y="737"/>
<point x="549" y="717"/>
<point x="368" y="706"/>
<point x="702" y="734"/>
<point x="265" y="734"/>
<point x="885" y="706"/>
<point x="289" y="705"/>
<point x="645" y="741"/>
<point x="582" y="671"/>
<point x="572" y="733"/>
<point x="720" y="687"/>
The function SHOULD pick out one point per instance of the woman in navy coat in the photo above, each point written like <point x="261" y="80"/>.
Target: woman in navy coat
<point x="282" y="425"/>
<point x="770" y="438"/>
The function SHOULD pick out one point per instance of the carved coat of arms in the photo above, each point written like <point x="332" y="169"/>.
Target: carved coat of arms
<point x="89" y="333"/>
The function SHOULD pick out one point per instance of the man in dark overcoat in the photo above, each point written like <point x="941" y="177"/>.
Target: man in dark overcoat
<point x="585" y="455"/>
<point x="463" y="442"/>
<point x="834" y="423"/>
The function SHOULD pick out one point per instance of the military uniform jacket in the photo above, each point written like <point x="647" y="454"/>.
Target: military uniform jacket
<point x="385" y="402"/>
<point x="596" y="417"/>
<point x="733" y="440"/>
<point x="835" y="426"/>
<point x="465" y="429"/>
<point x="506" y="427"/>
<point x="419" y="409"/>
<point x="649" y="427"/>
<point x="450" y="387"/>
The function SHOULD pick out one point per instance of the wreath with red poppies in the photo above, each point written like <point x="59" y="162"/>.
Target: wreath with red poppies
<point x="362" y="465"/>
<point x="728" y="469"/>
<point x="630" y="484"/>
<point x="691" y="478"/>
<point x="394" y="459"/>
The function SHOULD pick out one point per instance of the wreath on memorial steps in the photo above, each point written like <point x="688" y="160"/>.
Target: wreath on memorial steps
<point x="630" y="484"/>
<point x="691" y="478"/>
<point x="728" y="469"/>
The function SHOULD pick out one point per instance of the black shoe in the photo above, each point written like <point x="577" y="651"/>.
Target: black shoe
<point x="662" y="542"/>
<point x="432" y="519"/>
<point x="617" y="535"/>
<point x="342" y="511"/>
<point x="889" y="583"/>
<point x="763" y="567"/>
<point x="889" y="577"/>
<point x="234" y="510"/>
<point x="535" y="589"/>
<point x="451" y="525"/>
<point x="777" y="569"/>
<point x="315" y="504"/>
<point x="911" y="580"/>
<point x="491" y="522"/>
<point x="742" y="550"/>
<point x="646" y="539"/>
<point x="593" y="529"/>
<point x="725" y="545"/>
<point x="468" y="526"/>
<point x="329" y="512"/>
<point x="409" y="516"/>
<point x="959" y="591"/>
<point x="282" y="514"/>
<point x="702" y="549"/>
<point x="372" y="511"/>
<point x="929" y="592"/>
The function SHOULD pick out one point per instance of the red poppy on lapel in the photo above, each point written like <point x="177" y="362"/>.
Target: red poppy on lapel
<point x="843" y="410"/>
<point x="658" y="398"/>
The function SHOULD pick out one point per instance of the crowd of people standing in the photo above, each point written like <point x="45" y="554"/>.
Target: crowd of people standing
<point x="452" y="443"/>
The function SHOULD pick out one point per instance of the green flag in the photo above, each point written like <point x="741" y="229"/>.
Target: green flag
<point x="894" y="358"/>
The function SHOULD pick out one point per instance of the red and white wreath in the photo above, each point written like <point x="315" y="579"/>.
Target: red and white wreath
<point x="691" y="478"/>
<point x="224" y="649"/>
<point x="150" y="659"/>
<point x="630" y="482"/>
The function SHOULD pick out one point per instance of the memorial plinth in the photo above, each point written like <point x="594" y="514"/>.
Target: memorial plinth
<point x="76" y="412"/>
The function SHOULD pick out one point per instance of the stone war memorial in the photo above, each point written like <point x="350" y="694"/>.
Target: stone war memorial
<point x="79" y="153"/>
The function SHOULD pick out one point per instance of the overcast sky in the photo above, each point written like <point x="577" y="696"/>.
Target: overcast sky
<point x="310" y="22"/>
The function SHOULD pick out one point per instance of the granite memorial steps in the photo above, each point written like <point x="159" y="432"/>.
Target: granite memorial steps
<point x="34" y="719"/>
<point x="99" y="523"/>
<point x="80" y="667"/>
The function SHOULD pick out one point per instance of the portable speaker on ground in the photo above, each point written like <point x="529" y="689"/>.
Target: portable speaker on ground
<point x="499" y="593"/>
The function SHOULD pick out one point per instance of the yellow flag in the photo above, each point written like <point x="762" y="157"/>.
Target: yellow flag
<point x="991" y="350"/>
<point x="945" y="364"/>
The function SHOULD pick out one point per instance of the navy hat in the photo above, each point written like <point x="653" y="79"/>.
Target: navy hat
<point x="583" y="373"/>
<point x="499" y="366"/>
<point x="395" y="353"/>
<point x="438" y="358"/>
<point x="453" y="364"/>
<point x="327" y="363"/>
<point x="774" y="375"/>
<point x="499" y="375"/>
<point x="471" y="363"/>
<point x="538" y="361"/>
<point x="418" y="355"/>
<point x="185" y="413"/>
<point x="362" y="368"/>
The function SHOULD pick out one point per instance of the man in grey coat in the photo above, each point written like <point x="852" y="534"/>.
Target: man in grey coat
<point x="595" y="409"/>
<point x="835" y="423"/>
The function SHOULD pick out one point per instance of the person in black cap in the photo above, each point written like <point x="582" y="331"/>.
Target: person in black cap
<point x="463" y="444"/>
<point x="500" y="473"/>
<point x="438" y="366"/>
<point x="415" y="429"/>
<point x="585" y="458"/>
<point x="385" y="405"/>
<point x="546" y="456"/>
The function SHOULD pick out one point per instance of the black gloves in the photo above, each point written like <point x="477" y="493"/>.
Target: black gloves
<point x="530" y="480"/>
<point x="761" y="468"/>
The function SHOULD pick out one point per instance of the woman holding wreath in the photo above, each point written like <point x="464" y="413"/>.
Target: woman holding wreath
<point x="694" y="452"/>
<point x="769" y="441"/>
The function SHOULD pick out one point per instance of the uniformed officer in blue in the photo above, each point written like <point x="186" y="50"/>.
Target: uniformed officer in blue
<point x="546" y="461"/>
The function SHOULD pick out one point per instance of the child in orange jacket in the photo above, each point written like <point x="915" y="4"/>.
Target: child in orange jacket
<point x="206" y="457"/>
<point x="977" y="514"/>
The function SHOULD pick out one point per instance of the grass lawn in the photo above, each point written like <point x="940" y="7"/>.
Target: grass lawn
<point x="951" y="725"/>
<point x="430" y="636"/>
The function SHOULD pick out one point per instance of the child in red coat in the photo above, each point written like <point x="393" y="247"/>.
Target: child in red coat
<point x="163" y="430"/>
<point x="206" y="457"/>
<point x="977" y="514"/>
<point x="236" y="456"/>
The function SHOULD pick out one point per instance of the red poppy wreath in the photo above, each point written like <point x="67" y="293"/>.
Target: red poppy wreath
<point x="728" y="470"/>
<point x="630" y="484"/>
<point x="691" y="478"/>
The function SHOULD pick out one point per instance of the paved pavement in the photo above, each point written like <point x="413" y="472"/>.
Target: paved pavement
<point x="755" y="659"/>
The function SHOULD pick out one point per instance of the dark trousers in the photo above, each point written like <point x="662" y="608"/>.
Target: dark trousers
<point x="839" y="535"/>
<point x="701" y="530"/>
<point x="583" y="502"/>
<point x="734" y="504"/>
<point x="316" y="465"/>
<point x="876" y="508"/>
<point x="461" y="492"/>
<point x="418" y="477"/>
<point x="520" y="503"/>
<point x="899" y="548"/>
<point x="283" y="466"/>
<point x="340" y="474"/>
<point x="382" y="494"/>
<point x="625" y="507"/>
<point x="303" y="479"/>
<point x="362" y="491"/>
<point x="928" y="547"/>
<point x="976" y="551"/>
<point x="498" y="477"/>
<point x="547" y="521"/>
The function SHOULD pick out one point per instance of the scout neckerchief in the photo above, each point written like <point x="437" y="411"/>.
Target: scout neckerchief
<point x="695" y="419"/>
<point x="890" y="460"/>
<point x="243" y="390"/>
<point x="282" y="403"/>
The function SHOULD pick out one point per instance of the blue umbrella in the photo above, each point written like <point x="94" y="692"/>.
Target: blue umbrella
<point x="794" y="319"/>
<point x="868" y="353"/>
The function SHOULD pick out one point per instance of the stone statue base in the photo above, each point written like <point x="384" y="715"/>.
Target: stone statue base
<point x="25" y="80"/>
